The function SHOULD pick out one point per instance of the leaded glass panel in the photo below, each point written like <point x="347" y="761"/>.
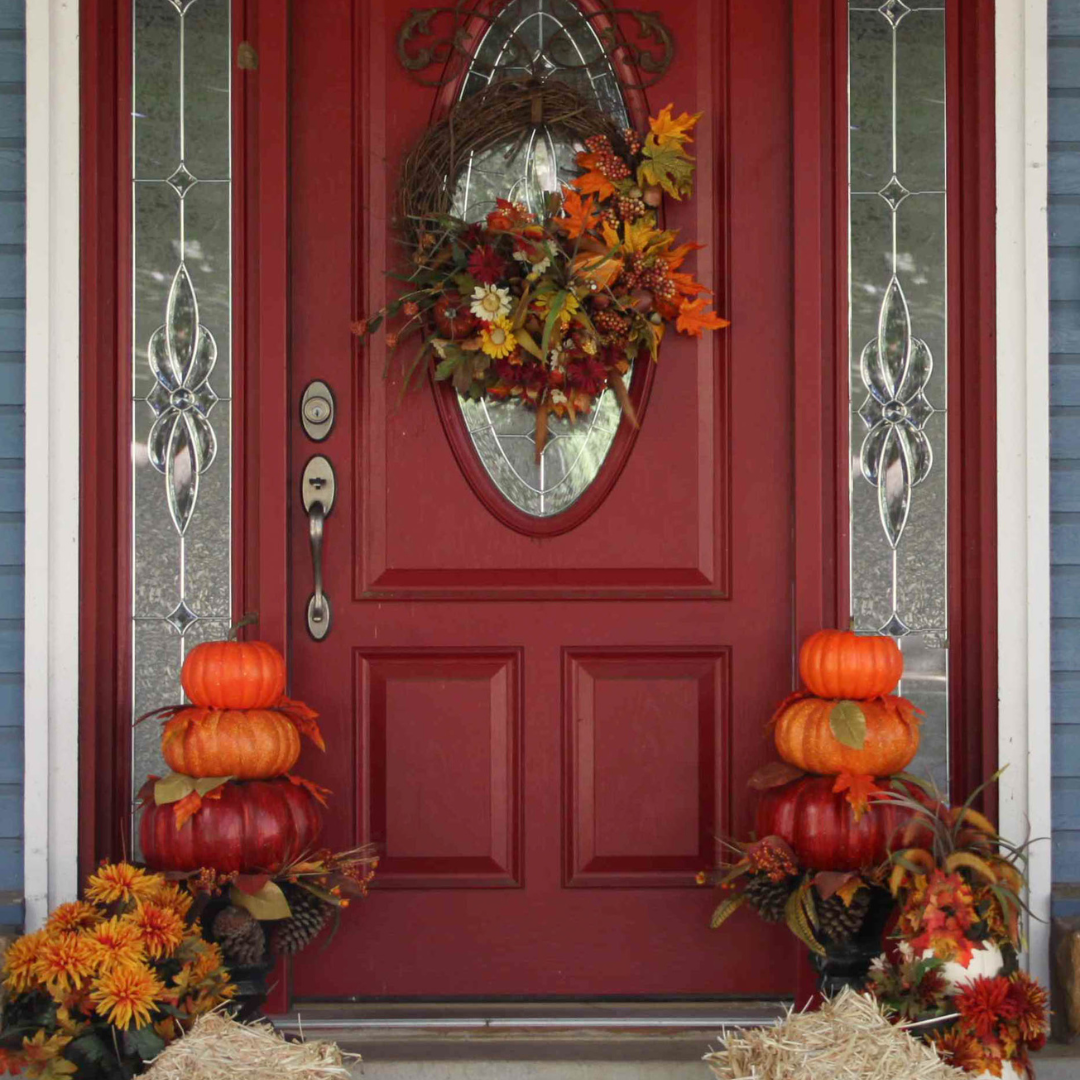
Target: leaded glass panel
<point x="898" y="322"/>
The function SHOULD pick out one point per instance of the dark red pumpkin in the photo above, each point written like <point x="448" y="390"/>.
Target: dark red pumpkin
<point x="821" y="827"/>
<point x="254" y="827"/>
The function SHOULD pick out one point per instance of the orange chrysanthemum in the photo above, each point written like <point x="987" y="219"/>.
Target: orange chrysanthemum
<point x="19" y="961"/>
<point x="965" y="1051"/>
<point x="160" y="928"/>
<point x="78" y="915"/>
<point x="114" y="942"/>
<point x="121" y="881"/>
<point x="127" y="994"/>
<point x="63" y="961"/>
<point x="172" y="896"/>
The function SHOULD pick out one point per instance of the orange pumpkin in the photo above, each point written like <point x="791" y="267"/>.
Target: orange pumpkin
<point x="254" y="745"/>
<point x="804" y="737"/>
<point x="234" y="675"/>
<point x="842" y="664"/>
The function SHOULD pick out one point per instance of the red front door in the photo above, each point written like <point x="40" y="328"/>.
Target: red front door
<point x="545" y="734"/>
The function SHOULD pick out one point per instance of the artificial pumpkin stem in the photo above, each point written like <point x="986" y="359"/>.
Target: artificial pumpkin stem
<point x="250" y="619"/>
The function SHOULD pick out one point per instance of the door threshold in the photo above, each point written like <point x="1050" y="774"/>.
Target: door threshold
<point x="415" y="1031"/>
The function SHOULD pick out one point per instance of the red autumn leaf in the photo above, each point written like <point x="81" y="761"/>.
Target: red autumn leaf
<point x="164" y="714"/>
<point x="186" y="808"/>
<point x="303" y="717"/>
<point x="775" y="774"/>
<point x="694" y="319"/>
<point x="315" y="790"/>
<point x="251" y="883"/>
<point x="859" y="788"/>
<point x="145" y="794"/>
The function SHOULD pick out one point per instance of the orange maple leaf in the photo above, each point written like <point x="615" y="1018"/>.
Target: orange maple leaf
<point x="669" y="129"/>
<point x="313" y="789"/>
<point x="578" y="217"/>
<point x="693" y="318"/>
<point x="186" y="808"/>
<point x="677" y="256"/>
<point x="595" y="182"/>
<point x="859" y="788"/>
<point x="685" y="284"/>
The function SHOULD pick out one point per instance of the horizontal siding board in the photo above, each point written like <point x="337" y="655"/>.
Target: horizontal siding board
<point x="1063" y="177"/>
<point x="1065" y="743"/>
<point x="1063" y="60"/>
<point x="13" y="221"/>
<point x="12" y="486"/>
<point x="1065" y="485"/>
<point x="1064" y="380"/>
<point x="1066" y="857"/>
<point x="12" y="14"/>
<point x="11" y="756"/>
<point x="1064" y="594"/>
<point x="11" y="808"/>
<point x="1063" y="221"/>
<point x="1064" y="327"/>
<point x="11" y="701"/>
<point x="1064" y="697"/>
<point x="1064" y="648"/>
<point x="12" y="379"/>
<point x="12" y="116"/>
<point x="13" y="60"/>
<point x="1063" y="17"/>
<point x="1063" y="116"/>
<point x="12" y="592"/>
<point x="1064" y="540"/>
<point x="1066" y="802"/>
<point x="1065" y="274"/>
<point x="11" y="858"/>
<point x="1064" y="432"/>
<point x="12" y="169"/>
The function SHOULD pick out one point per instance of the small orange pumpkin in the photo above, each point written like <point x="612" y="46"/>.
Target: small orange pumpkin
<point x="234" y="675"/>
<point x="804" y="737"/>
<point x="842" y="664"/>
<point x="254" y="745"/>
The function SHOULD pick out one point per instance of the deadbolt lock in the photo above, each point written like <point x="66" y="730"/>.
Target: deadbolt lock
<point x="317" y="410"/>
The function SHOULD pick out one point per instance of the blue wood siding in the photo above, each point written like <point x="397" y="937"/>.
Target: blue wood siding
<point x="12" y="421"/>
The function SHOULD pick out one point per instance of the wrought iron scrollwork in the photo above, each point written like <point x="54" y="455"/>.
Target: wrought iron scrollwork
<point x="446" y="39"/>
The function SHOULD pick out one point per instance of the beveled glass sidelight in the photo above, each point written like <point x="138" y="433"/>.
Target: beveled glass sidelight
<point x="181" y="348"/>
<point x="898" y="323"/>
<point x="503" y="432"/>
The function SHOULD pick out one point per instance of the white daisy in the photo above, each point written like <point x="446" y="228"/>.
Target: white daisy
<point x="558" y="397"/>
<point x="489" y="302"/>
<point x="542" y="265"/>
<point x="555" y="355"/>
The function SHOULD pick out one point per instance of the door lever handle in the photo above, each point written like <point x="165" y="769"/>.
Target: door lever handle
<point x="317" y="492"/>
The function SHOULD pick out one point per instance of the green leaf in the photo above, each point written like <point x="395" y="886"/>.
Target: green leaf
<point x="267" y="905"/>
<point x="848" y="724"/>
<point x="669" y="167"/>
<point x="798" y="924"/>
<point x="205" y="784"/>
<point x="549" y="323"/>
<point x="145" y="1042"/>
<point x="918" y="781"/>
<point x="446" y="367"/>
<point x="726" y="909"/>
<point x="172" y="788"/>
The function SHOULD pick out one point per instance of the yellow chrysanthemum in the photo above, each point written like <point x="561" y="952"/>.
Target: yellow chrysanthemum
<point x="172" y="896"/>
<point x="63" y="961"/>
<point x="78" y="915"/>
<point x="116" y="941"/>
<point x="121" y="881"/>
<point x="127" y="994"/>
<point x="19" y="974"/>
<point x="498" y="339"/>
<point x="160" y="929"/>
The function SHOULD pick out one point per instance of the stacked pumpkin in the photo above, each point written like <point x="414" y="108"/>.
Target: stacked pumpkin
<point x="230" y="803"/>
<point x="847" y="731"/>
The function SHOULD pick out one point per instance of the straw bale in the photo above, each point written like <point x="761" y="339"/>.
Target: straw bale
<point x="219" y="1048"/>
<point x="849" y="1038"/>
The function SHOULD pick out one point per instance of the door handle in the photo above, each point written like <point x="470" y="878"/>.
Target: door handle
<point x="317" y="492"/>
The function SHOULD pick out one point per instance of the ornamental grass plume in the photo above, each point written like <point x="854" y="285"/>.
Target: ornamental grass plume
<point x="109" y="981"/>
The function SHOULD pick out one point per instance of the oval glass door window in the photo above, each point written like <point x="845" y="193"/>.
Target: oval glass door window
<point x="503" y="432"/>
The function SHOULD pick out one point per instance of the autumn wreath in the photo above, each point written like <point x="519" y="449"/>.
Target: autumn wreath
<point x="548" y="306"/>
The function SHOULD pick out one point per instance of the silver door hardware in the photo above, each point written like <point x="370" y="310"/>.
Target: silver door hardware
<point x="317" y="410"/>
<point x="317" y="492"/>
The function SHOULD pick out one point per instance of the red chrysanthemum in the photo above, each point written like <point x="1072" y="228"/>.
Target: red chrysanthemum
<point x="487" y="265"/>
<point x="964" y="1051"/>
<point x="588" y="374"/>
<point x="983" y="1002"/>
<point x="1028" y="1002"/>
<point x="453" y="317"/>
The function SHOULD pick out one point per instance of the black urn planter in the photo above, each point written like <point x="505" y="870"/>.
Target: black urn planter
<point x="847" y="963"/>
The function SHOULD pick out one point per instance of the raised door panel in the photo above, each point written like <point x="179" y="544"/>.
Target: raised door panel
<point x="646" y="746"/>
<point x="440" y="766"/>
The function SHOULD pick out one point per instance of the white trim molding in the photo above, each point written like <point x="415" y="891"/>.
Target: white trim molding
<point x="1023" y="448"/>
<point x="52" y="457"/>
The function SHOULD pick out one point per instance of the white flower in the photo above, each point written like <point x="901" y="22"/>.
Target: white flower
<point x="489" y="302"/>
<point x="539" y="266"/>
<point x="907" y="952"/>
<point x="542" y="265"/>
<point x="439" y="345"/>
<point x="558" y="397"/>
<point x="555" y="355"/>
<point x="521" y="256"/>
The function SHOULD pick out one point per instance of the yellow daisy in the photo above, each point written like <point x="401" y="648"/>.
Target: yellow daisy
<point x="63" y="961"/>
<point x="127" y="994"/>
<point x="121" y="881"/>
<point x="115" y="942"/>
<point x="19" y="961"/>
<point x="160" y="929"/>
<point x="78" y="915"/>
<point x="498" y="339"/>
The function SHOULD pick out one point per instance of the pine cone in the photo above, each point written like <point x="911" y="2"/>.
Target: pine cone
<point x="768" y="897"/>
<point x="309" y="916"/>
<point x="240" y="936"/>
<point x="839" y="922"/>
